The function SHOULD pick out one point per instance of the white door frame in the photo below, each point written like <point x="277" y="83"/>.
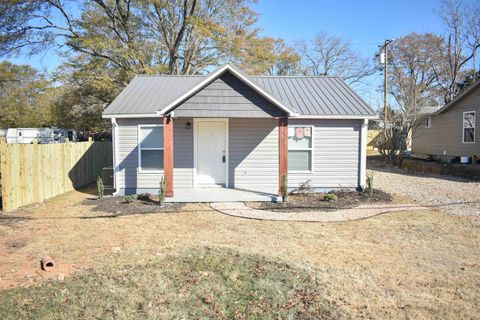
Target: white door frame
<point x="195" y="144"/>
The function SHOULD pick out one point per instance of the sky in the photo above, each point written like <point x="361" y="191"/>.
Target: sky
<point x="365" y="23"/>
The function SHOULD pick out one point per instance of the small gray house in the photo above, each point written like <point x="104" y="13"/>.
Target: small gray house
<point x="237" y="132"/>
<point x="451" y="131"/>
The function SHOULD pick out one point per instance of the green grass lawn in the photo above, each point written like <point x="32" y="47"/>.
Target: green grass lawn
<point x="200" y="283"/>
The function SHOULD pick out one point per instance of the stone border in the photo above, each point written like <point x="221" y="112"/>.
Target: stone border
<point x="241" y="210"/>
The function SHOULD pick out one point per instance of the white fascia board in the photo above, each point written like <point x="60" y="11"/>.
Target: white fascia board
<point x="360" y="117"/>
<point x="131" y="115"/>
<point x="216" y="74"/>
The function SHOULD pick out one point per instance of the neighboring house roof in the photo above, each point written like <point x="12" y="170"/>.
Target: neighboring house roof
<point x="429" y="110"/>
<point x="459" y="97"/>
<point x="296" y="95"/>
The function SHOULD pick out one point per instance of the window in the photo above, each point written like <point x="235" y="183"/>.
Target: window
<point x="428" y="122"/>
<point x="150" y="147"/>
<point x="469" y="119"/>
<point x="300" y="148"/>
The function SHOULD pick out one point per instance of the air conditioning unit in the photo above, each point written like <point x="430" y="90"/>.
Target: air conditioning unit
<point x="464" y="160"/>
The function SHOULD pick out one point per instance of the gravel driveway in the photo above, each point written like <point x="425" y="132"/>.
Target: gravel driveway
<point x="451" y="194"/>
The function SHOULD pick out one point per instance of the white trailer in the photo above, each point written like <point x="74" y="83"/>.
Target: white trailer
<point x="40" y="135"/>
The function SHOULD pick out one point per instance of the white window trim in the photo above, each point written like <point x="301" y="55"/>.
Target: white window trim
<point x="304" y="149"/>
<point x="139" y="147"/>
<point x="474" y="127"/>
<point x="428" y="122"/>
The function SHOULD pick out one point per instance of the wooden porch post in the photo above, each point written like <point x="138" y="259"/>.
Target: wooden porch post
<point x="168" y="155"/>
<point x="282" y="151"/>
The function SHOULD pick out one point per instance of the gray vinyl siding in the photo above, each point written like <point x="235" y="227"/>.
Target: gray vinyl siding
<point x="130" y="179"/>
<point x="253" y="151"/>
<point x="336" y="154"/>
<point x="446" y="132"/>
<point x="182" y="153"/>
<point x="228" y="97"/>
<point x="253" y="155"/>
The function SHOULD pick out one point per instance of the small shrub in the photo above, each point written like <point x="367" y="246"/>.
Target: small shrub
<point x="129" y="198"/>
<point x="284" y="190"/>
<point x="304" y="187"/>
<point x="370" y="183"/>
<point x="145" y="197"/>
<point x="100" y="187"/>
<point x="330" y="197"/>
<point x="161" y="192"/>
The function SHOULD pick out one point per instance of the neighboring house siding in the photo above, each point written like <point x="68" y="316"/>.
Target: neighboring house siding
<point x="253" y="149"/>
<point x="133" y="182"/>
<point x="446" y="131"/>
<point x="230" y="98"/>
<point x="336" y="154"/>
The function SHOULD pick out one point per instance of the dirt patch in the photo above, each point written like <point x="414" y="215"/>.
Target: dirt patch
<point x="118" y="206"/>
<point x="10" y="220"/>
<point x="16" y="244"/>
<point x="317" y="202"/>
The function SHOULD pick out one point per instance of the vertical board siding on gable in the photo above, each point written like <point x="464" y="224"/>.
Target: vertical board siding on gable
<point x="129" y="178"/>
<point x="447" y="130"/>
<point x="228" y="97"/>
<point x="253" y="149"/>
<point x="336" y="154"/>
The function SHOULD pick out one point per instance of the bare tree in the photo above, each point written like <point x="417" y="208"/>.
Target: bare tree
<point x="462" y="40"/>
<point x="329" y="55"/>
<point x="196" y="34"/>
<point x="413" y="85"/>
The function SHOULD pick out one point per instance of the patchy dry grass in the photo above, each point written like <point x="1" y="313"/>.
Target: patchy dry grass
<point x="420" y="264"/>
<point x="201" y="283"/>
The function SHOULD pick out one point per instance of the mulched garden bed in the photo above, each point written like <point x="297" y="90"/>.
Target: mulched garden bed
<point x="317" y="202"/>
<point x="143" y="204"/>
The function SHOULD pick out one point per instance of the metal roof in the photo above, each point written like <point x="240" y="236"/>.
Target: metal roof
<point x="459" y="97"/>
<point x="307" y="96"/>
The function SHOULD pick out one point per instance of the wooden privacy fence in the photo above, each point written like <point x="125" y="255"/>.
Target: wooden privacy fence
<point x="31" y="173"/>
<point x="371" y="136"/>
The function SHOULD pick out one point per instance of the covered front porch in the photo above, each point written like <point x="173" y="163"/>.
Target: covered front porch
<point x="219" y="195"/>
<point x="245" y="156"/>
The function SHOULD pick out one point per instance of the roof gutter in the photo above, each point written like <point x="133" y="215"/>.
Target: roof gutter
<point x="349" y="117"/>
<point x="131" y="115"/>
<point x="292" y="116"/>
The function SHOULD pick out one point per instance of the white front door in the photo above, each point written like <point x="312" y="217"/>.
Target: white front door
<point x="211" y="150"/>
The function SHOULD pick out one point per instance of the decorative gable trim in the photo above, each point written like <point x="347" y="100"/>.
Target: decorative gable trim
<point x="216" y="74"/>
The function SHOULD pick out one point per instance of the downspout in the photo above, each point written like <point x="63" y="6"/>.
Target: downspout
<point x="115" y="148"/>
<point x="363" y="154"/>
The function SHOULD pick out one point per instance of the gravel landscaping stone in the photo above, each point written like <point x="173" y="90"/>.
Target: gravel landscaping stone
<point x="451" y="194"/>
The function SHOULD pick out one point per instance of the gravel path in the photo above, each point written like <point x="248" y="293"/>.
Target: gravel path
<point x="454" y="195"/>
<point x="240" y="209"/>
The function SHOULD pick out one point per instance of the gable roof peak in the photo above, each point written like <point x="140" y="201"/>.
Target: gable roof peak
<point x="236" y="72"/>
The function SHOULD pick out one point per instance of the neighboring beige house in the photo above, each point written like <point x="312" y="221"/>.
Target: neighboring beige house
<point x="453" y="130"/>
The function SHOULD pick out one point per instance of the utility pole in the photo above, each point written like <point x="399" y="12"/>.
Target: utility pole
<point x="385" y="80"/>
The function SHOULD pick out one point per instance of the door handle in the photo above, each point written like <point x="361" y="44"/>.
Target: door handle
<point x="223" y="158"/>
